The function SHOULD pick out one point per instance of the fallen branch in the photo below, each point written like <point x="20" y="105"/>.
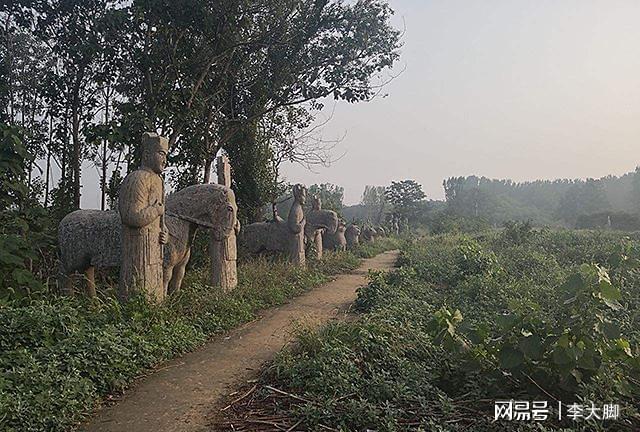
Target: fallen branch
<point x="287" y="394"/>
<point x="240" y="398"/>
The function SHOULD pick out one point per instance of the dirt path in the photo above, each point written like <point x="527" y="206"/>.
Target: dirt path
<point x="182" y="394"/>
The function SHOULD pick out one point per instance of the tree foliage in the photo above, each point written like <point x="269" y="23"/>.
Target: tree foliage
<point x="405" y="197"/>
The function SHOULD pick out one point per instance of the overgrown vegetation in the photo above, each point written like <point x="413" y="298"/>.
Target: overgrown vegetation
<point x="59" y="356"/>
<point x="468" y="320"/>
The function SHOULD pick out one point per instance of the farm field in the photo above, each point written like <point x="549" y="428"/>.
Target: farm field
<point x="519" y="314"/>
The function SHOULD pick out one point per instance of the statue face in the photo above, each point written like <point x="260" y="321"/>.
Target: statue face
<point x="300" y="194"/>
<point x="157" y="161"/>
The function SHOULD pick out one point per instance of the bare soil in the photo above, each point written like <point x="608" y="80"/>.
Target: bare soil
<point x="185" y="394"/>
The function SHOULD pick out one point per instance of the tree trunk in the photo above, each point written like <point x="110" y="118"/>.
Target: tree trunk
<point x="76" y="159"/>
<point x="207" y="171"/>
<point x="103" y="184"/>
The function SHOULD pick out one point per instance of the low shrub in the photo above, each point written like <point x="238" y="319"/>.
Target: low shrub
<point x="466" y="321"/>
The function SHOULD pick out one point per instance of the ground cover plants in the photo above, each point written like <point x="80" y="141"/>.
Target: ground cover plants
<point x="59" y="356"/>
<point x="468" y="320"/>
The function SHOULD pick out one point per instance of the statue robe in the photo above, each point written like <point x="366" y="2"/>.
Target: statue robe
<point x="295" y="225"/>
<point x="141" y="265"/>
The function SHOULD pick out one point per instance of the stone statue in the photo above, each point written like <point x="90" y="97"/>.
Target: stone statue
<point x="316" y="233"/>
<point x="224" y="272"/>
<point x="319" y="223"/>
<point x="352" y="235"/>
<point x="278" y="235"/>
<point x="336" y="241"/>
<point x="92" y="238"/>
<point x="295" y="225"/>
<point x="368" y="234"/>
<point x="141" y="208"/>
<point x="380" y="231"/>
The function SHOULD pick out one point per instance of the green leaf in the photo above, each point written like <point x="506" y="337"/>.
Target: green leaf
<point x="510" y="358"/>
<point x="531" y="347"/>
<point x="590" y="360"/>
<point x="506" y="322"/>
<point x="562" y="356"/>
<point x="608" y="291"/>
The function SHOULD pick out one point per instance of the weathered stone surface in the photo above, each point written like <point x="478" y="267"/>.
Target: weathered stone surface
<point x="319" y="223"/>
<point x="141" y="208"/>
<point x="352" y="235"/>
<point x="279" y="235"/>
<point x="368" y="234"/>
<point x="213" y="207"/>
<point x="295" y="224"/>
<point x="336" y="241"/>
<point x="224" y="271"/>
<point x="380" y="231"/>
<point x="92" y="238"/>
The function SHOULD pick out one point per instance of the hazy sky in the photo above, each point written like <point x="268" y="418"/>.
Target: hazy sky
<point x="520" y="89"/>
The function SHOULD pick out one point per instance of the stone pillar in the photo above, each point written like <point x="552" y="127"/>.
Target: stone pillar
<point x="224" y="271"/>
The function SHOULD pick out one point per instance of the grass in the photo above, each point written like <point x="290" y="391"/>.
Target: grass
<point x="466" y="321"/>
<point x="60" y="356"/>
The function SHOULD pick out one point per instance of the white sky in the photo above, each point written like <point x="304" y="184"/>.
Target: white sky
<point x="520" y="89"/>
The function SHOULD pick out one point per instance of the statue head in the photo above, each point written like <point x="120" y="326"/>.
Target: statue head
<point x="300" y="193"/>
<point x="316" y="203"/>
<point x="154" y="152"/>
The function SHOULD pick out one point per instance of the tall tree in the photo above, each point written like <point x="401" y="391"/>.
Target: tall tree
<point x="405" y="196"/>
<point x="375" y="203"/>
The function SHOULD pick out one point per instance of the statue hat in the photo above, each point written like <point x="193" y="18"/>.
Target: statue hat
<point x="152" y="142"/>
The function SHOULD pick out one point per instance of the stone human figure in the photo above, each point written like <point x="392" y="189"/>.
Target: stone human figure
<point x="141" y="208"/>
<point x="224" y="271"/>
<point x="316" y="206"/>
<point x="352" y="235"/>
<point x="295" y="225"/>
<point x="336" y="241"/>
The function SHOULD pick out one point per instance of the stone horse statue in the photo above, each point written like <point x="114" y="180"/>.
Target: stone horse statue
<point x="352" y="235"/>
<point x="319" y="223"/>
<point x="273" y="235"/>
<point x="368" y="234"/>
<point x="92" y="238"/>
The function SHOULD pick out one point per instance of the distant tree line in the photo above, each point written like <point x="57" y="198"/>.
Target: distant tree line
<point x="609" y="201"/>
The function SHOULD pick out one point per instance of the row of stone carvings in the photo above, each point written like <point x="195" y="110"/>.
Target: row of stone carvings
<point x="150" y="238"/>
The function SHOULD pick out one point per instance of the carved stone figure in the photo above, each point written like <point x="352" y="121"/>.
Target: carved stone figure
<point x="141" y="208"/>
<point x="319" y="223"/>
<point x="92" y="238"/>
<point x="352" y="235"/>
<point x="380" y="231"/>
<point x="295" y="225"/>
<point x="278" y="235"/>
<point x="368" y="234"/>
<point x="396" y="227"/>
<point x="336" y="241"/>
<point x="224" y="271"/>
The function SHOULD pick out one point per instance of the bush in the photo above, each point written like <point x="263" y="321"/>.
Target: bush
<point x="466" y="321"/>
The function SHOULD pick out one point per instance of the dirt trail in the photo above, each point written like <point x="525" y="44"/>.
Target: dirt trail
<point x="182" y="394"/>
